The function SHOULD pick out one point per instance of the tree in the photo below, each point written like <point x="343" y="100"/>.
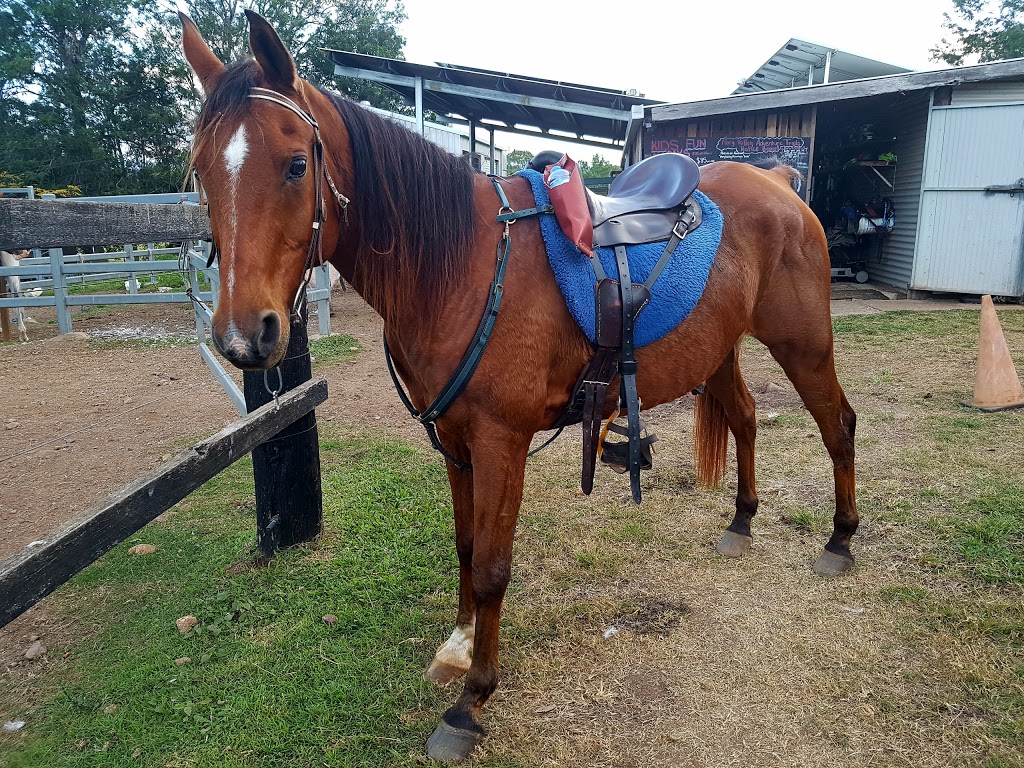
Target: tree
<point x="516" y="160"/>
<point x="306" y="26"/>
<point x="96" y="93"/>
<point x="597" y="168"/>
<point x="982" y="30"/>
<point x="90" y="95"/>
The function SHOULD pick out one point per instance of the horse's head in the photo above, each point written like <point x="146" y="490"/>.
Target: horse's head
<point x="259" y="158"/>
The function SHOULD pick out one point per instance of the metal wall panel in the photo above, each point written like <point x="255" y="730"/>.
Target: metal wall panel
<point x="970" y="240"/>
<point x="999" y="92"/>
<point x="896" y="262"/>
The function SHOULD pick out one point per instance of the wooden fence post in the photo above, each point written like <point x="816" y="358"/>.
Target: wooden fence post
<point x="5" y="313"/>
<point x="286" y="468"/>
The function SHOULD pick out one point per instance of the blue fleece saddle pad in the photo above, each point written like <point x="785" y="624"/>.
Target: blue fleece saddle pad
<point x="673" y="297"/>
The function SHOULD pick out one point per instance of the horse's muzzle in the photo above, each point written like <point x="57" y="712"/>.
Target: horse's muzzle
<point x="251" y="351"/>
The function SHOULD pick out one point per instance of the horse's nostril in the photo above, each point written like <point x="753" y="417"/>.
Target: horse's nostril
<point x="270" y="334"/>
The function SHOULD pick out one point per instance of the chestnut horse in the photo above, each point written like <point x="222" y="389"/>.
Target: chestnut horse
<point x="413" y="230"/>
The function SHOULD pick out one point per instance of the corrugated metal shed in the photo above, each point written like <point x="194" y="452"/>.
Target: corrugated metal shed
<point x="896" y="262"/>
<point x="971" y="232"/>
<point x="1000" y="92"/>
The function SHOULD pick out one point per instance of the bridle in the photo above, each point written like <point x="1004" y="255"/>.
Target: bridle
<point x="314" y="256"/>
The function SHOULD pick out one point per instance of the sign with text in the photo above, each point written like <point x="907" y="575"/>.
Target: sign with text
<point x="762" y="151"/>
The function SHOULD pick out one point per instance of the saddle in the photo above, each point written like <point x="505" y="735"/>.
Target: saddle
<point x="648" y="202"/>
<point x="643" y="201"/>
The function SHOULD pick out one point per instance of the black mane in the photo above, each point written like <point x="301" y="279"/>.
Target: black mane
<point x="414" y="205"/>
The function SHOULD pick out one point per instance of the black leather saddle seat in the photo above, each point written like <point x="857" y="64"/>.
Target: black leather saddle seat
<point x="659" y="183"/>
<point x="643" y="201"/>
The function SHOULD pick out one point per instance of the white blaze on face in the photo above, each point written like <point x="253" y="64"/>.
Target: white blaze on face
<point x="234" y="157"/>
<point x="457" y="650"/>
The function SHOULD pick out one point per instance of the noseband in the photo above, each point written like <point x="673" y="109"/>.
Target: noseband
<point x="314" y="256"/>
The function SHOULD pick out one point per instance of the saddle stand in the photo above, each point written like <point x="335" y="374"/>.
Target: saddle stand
<point x="647" y="203"/>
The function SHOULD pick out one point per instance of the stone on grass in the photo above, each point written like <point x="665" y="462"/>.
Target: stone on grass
<point x="182" y="660"/>
<point x="35" y="650"/>
<point x="330" y="618"/>
<point x="142" y="549"/>
<point x="186" y="624"/>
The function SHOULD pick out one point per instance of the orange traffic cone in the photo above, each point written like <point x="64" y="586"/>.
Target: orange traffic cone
<point x="997" y="386"/>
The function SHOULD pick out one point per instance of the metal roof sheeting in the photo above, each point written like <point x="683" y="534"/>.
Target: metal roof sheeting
<point x="799" y="62"/>
<point x="500" y="100"/>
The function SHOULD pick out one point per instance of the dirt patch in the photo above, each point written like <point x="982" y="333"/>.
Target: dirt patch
<point x="86" y="414"/>
<point x="652" y="617"/>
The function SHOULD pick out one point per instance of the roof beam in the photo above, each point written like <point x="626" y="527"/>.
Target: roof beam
<point x="483" y="94"/>
<point x="543" y="133"/>
<point x="848" y="89"/>
<point x="388" y="78"/>
<point x="527" y="101"/>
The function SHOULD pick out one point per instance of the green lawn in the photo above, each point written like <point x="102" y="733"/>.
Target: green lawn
<point x="268" y="683"/>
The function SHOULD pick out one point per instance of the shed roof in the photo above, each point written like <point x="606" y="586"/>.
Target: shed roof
<point x="501" y="100"/>
<point x="797" y="60"/>
<point x="784" y="98"/>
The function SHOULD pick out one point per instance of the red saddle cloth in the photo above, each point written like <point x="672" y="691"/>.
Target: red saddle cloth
<point x="569" y="200"/>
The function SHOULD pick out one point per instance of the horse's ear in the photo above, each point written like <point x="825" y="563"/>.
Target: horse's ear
<point x="270" y="53"/>
<point x="203" y="61"/>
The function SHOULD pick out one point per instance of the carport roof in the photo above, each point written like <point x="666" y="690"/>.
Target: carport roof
<point x="501" y="100"/>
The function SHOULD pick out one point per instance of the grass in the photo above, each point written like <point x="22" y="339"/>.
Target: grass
<point x="164" y="342"/>
<point x="336" y="348"/>
<point x="268" y="682"/>
<point x="914" y="659"/>
<point x="172" y="280"/>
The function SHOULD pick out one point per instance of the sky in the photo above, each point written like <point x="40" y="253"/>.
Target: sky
<point x="673" y="51"/>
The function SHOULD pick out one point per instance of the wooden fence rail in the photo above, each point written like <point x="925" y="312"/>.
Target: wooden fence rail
<point x="59" y="223"/>
<point x="286" y="466"/>
<point x="29" y="576"/>
<point x="50" y="225"/>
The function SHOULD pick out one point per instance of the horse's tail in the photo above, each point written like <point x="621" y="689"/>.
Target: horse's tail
<point x="710" y="439"/>
<point x="788" y="175"/>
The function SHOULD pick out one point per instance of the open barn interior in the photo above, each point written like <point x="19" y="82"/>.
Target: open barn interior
<point x="854" y="180"/>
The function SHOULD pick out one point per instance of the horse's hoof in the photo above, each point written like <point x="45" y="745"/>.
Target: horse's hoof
<point x="831" y="564"/>
<point x="453" y="745"/>
<point x="441" y="673"/>
<point x="733" y="544"/>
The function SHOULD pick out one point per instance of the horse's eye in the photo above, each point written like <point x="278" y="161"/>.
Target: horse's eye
<point x="297" y="169"/>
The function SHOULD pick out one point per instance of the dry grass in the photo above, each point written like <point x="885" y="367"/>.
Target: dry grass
<point x="910" y="660"/>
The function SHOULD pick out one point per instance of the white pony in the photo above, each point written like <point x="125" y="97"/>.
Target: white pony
<point x="11" y="259"/>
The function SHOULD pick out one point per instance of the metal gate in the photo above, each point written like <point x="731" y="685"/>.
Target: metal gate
<point x="970" y="236"/>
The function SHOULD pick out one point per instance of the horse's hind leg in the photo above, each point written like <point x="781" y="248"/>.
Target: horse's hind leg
<point x="726" y="385"/>
<point x="809" y="362"/>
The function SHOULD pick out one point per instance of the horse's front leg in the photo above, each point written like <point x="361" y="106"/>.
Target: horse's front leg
<point x="499" y="462"/>
<point x="453" y="658"/>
